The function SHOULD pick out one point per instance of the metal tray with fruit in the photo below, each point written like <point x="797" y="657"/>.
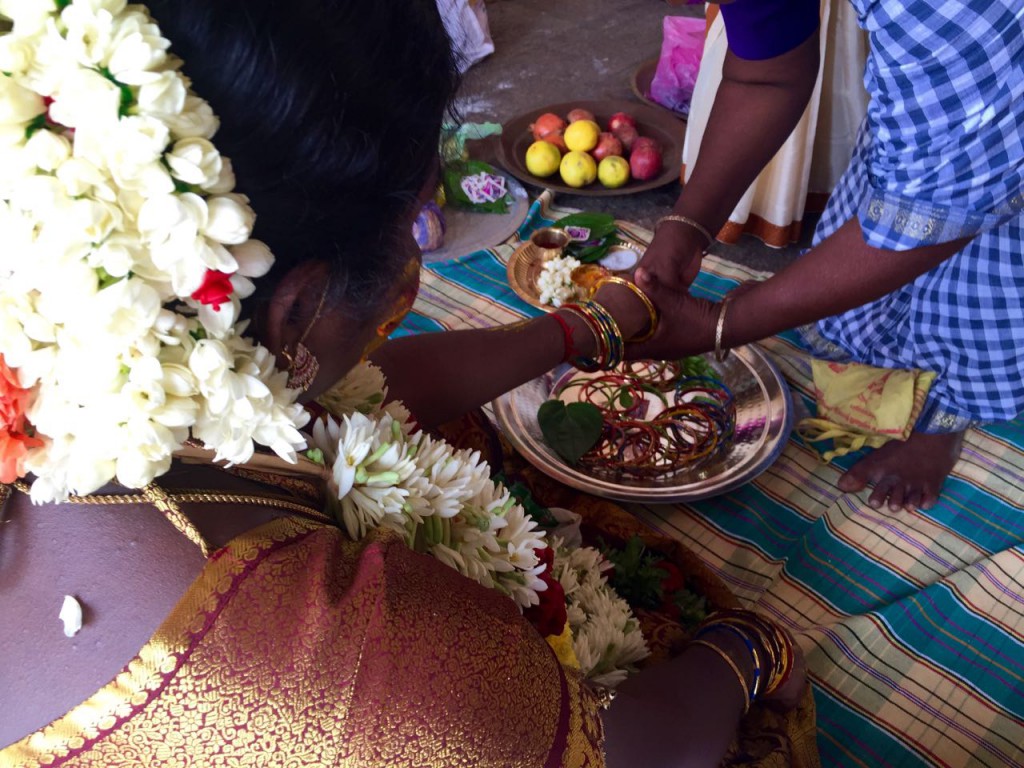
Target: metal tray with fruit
<point x="572" y="157"/>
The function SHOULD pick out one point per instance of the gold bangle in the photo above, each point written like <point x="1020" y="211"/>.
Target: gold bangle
<point x="689" y="222"/>
<point x="652" y="311"/>
<point x="721" y="354"/>
<point x="732" y="665"/>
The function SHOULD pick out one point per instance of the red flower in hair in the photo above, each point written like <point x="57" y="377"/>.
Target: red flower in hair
<point x="215" y="290"/>
<point x="549" y="616"/>
<point x="14" y="443"/>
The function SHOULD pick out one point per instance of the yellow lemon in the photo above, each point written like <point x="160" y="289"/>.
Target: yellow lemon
<point x="578" y="169"/>
<point x="582" y="136"/>
<point x="613" y="172"/>
<point x="542" y="158"/>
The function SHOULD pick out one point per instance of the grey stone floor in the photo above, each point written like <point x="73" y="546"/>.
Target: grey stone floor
<point x="549" y="51"/>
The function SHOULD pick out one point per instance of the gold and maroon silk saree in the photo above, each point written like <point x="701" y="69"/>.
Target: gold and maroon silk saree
<point x="298" y="647"/>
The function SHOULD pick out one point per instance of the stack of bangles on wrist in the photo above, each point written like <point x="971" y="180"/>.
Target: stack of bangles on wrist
<point x="760" y="637"/>
<point x="608" y="339"/>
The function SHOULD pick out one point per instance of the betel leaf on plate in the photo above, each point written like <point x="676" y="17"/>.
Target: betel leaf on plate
<point x="453" y="175"/>
<point x="571" y="430"/>
<point x="603" y="235"/>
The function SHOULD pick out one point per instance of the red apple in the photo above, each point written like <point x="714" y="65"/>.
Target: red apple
<point x="645" y="141"/>
<point x="558" y="139"/>
<point x="627" y="134"/>
<point x="619" y="119"/>
<point x="645" y="162"/>
<point x="607" y="145"/>
<point x="545" y="124"/>
<point x="580" y="114"/>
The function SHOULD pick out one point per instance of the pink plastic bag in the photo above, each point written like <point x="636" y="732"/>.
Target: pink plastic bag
<point x="681" y="49"/>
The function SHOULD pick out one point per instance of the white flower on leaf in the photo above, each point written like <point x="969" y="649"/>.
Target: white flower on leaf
<point x="85" y="98"/>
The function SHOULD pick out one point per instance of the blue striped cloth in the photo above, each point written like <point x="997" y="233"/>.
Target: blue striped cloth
<point x="912" y="623"/>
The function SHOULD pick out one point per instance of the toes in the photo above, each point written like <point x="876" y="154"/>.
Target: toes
<point x="853" y="480"/>
<point x="896" y="496"/>
<point x="913" y="500"/>
<point x="882" y="490"/>
<point x="929" y="497"/>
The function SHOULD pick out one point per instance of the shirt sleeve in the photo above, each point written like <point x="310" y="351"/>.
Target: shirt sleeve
<point x="763" y="29"/>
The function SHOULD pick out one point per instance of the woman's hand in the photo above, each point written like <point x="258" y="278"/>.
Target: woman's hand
<point x="674" y="256"/>
<point x="686" y="326"/>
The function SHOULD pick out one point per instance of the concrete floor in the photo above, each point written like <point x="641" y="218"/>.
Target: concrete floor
<point x="549" y="51"/>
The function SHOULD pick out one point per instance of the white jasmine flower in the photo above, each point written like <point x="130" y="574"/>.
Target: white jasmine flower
<point x="230" y="219"/>
<point x="555" y="281"/>
<point x="47" y="150"/>
<point x="195" y="161"/>
<point x="18" y="104"/>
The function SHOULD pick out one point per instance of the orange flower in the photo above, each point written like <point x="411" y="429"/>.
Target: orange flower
<point x="14" y="443"/>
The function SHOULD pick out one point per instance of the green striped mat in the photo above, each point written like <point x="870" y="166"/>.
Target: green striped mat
<point x="913" y="623"/>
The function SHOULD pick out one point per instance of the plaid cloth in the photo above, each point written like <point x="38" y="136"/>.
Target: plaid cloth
<point x="913" y="623"/>
<point x="941" y="156"/>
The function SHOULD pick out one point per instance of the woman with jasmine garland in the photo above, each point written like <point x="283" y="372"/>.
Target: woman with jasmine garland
<point x="128" y="386"/>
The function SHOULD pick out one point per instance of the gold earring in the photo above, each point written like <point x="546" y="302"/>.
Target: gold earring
<point x="303" y="365"/>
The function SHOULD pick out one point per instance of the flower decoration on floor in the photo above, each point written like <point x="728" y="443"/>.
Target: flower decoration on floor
<point x="126" y="255"/>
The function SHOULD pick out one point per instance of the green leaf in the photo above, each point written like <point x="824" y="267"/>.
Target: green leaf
<point x="637" y="577"/>
<point x="452" y="181"/>
<point x="603" y="235"/>
<point x="571" y="430"/>
<point x="696" y="367"/>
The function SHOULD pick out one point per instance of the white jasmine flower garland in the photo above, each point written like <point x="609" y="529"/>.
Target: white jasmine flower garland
<point x="385" y="473"/>
<point x="125" y="256"/>
<point x="606" y="636"/>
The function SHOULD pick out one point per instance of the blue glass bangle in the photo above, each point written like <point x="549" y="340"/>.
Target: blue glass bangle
<point x="754" y="655"/>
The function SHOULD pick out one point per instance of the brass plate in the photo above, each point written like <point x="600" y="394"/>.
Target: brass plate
<point x="525" y="265"/>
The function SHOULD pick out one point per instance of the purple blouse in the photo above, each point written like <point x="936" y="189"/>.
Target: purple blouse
<point x="762" y="29"/>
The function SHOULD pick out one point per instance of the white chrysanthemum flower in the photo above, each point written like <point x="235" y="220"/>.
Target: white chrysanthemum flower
<point x="361" y="391"/>
<point x="607" y="639"/>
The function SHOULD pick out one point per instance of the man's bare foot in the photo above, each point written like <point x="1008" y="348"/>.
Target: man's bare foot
<point x="906" y="474"/>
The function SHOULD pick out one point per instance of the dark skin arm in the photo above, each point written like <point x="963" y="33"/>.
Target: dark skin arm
<point x="480" y="365"/>
<point x="841" y="273"/>
<point x="756" y="108"/>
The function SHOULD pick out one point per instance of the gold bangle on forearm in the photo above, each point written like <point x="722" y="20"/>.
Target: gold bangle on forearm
<point x="732" y="665"/>
<point x="721" y="354"/>
<point x="690" y="223"/>
<point x="652" y="311"/>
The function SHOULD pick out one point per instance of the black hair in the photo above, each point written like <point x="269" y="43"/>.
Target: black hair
<point x="330" y="113"/>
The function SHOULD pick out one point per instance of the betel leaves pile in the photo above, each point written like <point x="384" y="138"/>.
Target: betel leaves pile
<point x="593" y="235"/>
<point x="612" y="429"/>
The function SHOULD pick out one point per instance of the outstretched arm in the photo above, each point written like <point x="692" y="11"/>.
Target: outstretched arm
<point x="757" y="106"/>
<point x="841" y="273"/>
<point x="441" y="376"/>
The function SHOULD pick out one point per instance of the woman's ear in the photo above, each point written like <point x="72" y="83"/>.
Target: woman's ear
<point x="294" y="305"/>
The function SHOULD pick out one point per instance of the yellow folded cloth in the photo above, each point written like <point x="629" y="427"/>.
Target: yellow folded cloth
<point x="863" y="406"/>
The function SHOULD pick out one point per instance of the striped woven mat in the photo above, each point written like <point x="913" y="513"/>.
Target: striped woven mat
<point x="913" y="622"/>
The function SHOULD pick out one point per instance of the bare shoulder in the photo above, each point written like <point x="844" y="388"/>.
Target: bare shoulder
<point x="126" y="565"/>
